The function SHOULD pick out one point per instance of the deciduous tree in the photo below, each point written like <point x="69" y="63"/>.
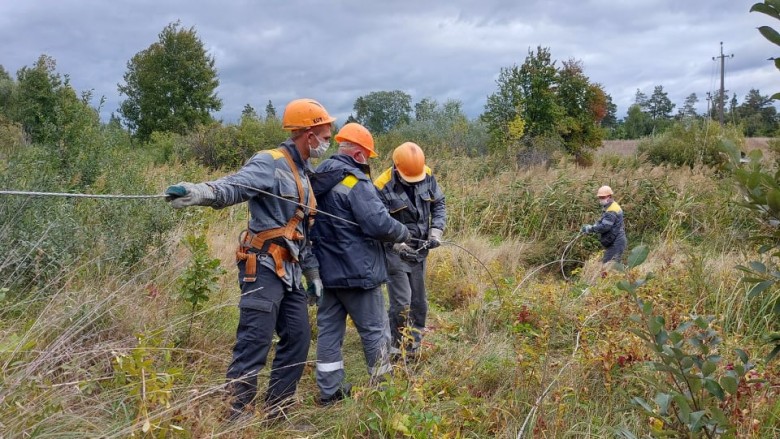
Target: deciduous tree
<point x="381" y="111"/>
<point x="170" y="86"/>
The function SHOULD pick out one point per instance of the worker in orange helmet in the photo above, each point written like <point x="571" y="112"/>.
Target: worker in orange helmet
<point x="273" y="256"/>
<point x="412" y="195"/>
<point x="612" y="234"/>
<point x="348" y="244"/>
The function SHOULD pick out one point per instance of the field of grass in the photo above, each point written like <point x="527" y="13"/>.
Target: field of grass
<point x="629" y="147"/>
<point x="525" y="338"/>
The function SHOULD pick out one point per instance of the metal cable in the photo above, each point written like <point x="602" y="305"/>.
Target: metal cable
<point x="75" y="195"/>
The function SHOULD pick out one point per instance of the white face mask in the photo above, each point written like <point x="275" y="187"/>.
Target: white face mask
<point x="605" y="202"/>
<point x="320" y="150"/>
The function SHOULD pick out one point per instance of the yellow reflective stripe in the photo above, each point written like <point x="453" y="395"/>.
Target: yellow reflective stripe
<point x="349" y="181"/>
<point x="428" y="170"/>
<point x="614" y="207"/>
<point x="275" y="153"/>
<point x="383" y="179"/>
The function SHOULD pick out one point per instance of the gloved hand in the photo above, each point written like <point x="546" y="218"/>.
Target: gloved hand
<point x="185" y="194"/>
<point x="434" y="238"/>
<point x="313" y="286"/>
<point x="586" y="228"/>
<point x="401" y="248"/>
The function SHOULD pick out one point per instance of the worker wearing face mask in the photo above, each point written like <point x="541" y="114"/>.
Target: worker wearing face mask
<point x="273" y="256"/>
<point x="347" y="240"/>
<point x="612" y="234"/>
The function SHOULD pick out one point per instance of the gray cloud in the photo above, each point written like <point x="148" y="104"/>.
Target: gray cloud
<point x="338" y="51"/>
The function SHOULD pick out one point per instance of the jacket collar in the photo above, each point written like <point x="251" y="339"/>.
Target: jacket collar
<point x="293" y="150"/>
<point x="352" y="163"/>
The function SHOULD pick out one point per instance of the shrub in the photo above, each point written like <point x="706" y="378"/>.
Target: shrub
<point x="690" y="144"/>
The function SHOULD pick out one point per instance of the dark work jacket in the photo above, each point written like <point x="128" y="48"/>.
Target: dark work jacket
<point x="419" y="206"/>
<point x="350" y="256"/>
<point x="610" y="225"/>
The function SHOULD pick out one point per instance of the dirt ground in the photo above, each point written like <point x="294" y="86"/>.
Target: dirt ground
<point x="628" y="147"/>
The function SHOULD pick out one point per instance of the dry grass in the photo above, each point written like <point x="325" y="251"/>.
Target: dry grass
<point x="500" y="334"/>
<point x="629" y="147"/>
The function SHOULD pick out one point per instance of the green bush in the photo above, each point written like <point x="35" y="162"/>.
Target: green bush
<point x="689" y="144"/>
<point x="230" y="146"/>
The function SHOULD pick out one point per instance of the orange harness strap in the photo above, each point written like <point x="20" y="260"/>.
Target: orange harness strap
<point x="258" y="241"/>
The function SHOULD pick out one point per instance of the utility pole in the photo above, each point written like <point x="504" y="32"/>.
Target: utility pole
<point x="722" y="94"/>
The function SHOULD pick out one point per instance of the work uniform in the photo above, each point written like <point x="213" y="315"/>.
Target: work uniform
<point x="419" y="206"/>
<point x="352" y="268"/>
<point x="269" y="272"/>
<point x="612" y="234"/>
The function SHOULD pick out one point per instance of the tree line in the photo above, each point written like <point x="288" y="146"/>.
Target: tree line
<point x="170" y="87"/>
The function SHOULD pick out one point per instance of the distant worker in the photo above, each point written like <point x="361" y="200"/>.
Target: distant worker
<point x="272" y="256"/>
<point x="612" y="234"/>
<point x="352" y="261"/>
<point x="411" y="194"/>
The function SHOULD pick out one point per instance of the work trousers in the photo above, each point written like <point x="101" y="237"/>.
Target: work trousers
<point x="266" y="305"/>
<point x="408" y="304"/>
<point x="367" y="310"/>
<point x="614" y="252"/>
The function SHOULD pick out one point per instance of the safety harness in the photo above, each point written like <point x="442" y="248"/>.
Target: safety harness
<point x="271" y="241"/>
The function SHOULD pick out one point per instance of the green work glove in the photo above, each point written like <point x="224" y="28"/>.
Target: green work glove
<point x="313" y="286"/>
<point x="434" y="238"/>
<point x="185" y="194"/>
<point x="586" y="228"/>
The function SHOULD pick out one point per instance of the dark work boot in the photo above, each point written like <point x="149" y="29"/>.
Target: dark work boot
<point x="242" y="394"/>
<point x="344" y="392"/>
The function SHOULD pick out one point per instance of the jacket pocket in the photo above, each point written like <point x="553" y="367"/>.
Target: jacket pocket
<point x="286" y="186"/>
<point x="396" y="205"/>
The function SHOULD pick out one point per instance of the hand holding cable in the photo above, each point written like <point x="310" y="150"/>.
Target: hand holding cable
<point x="185" y="194"/>
<point x="434" y="238"/>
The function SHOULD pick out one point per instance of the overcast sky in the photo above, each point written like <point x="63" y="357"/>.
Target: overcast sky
<point x="337" y="51"/>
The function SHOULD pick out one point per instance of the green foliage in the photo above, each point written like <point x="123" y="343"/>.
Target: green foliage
<point x="760" y="188"/>
<point x="692" y="395"/>
<point x="638" y="123"/>
<point x="381" y="111"/>
<point x="230" y="146"/>
<point x="527" y="91"/>
<point x="443" y="130"/>
<point x="757" y="115"/>
<point x="772" y="9"/>
<point x="399" y="409"/>
<point x="144" y="373"/>
<point x="200" y="278"/>
<point x="11" y="137"/>
<point x="43" y="235"/>
<point x="659" y="106"/>
<point x="690" y="144"/>
<point x="170" y="86"/>
<point x="35" y="107"/>
<point x="549" y="101"/>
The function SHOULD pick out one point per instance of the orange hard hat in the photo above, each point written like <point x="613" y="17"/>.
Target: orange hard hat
<point x="359" y="135"/>
<point x="305" y="113"/>
<point x="604" y="191"/>
<point x="409" y="161"/>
